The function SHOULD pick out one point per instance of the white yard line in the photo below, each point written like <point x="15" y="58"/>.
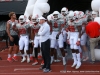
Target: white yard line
<point x="25" y="69"/>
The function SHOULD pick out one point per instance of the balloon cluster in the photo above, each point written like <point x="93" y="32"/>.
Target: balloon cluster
<point x="95" y="5"/>
<point x="37" y="7"/>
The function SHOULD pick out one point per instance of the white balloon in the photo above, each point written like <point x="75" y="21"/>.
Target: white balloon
<point x="29" y="9"/>
<point x="41" y="1"/>
<point x="36" y="7"/>
<point x="97" y="19"/>
<point x="30" y="2"/>
<point x="97" y="54"/>
<point x="44" y="7"/>
<point x="95" y="5"/>
<point x="37" y="11"/>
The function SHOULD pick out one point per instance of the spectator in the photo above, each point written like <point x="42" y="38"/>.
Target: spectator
<point x="93" y="31"/>
<point x="13" y="37"/>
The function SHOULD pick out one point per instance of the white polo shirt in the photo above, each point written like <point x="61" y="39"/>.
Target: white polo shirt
<point x="44" y="32"/>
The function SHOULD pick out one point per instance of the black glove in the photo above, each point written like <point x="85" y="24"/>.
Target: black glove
<point x="57" y="37"/>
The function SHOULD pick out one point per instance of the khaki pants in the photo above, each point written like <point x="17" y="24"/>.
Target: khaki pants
<point x="93" y="43"/>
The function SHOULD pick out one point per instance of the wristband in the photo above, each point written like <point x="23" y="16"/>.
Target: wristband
<point x="31" y="40"/>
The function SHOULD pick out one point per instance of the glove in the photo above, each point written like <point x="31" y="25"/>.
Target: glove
<point x="57" y="37"/>
<point x="78" y="43"/>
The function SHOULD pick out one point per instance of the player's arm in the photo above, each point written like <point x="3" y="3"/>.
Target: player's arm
<point x="50" y="24"/>
<point x="61" y="24"/>
<point x="29" y="32"/>
<point x="32" y="35"/>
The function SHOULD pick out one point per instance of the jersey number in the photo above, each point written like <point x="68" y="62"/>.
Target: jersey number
<point x="22" y="31"/>
<point x="36" y="30"/>
<point x="55" y="25"/>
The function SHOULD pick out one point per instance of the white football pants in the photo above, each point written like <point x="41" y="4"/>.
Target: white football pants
<point x="36" y="41"/>
<point x="54" y="41"/>
<point x="73" y="40"/>
<point x="24" y="42"/>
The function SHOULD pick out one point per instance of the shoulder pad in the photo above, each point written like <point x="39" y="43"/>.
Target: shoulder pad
<point x="61" y="21"/>
<point x="79" y="22"/>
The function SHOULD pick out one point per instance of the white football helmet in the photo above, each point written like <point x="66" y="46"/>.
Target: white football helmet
<point x="64" y="11"/>
<point x="35" y="18"/>
<point x="50" y="17"/>
<point x="56" y="15"/>
<point x="22" y="19"/>
<point x="81" y="14"/>
<point x="94" y="14"/>
<point x="76" y="14"/>
<point x="87" y="12"/>
<point x="71" y="15"/>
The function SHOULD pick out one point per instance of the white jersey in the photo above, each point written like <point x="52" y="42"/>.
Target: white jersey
<point x="65" y="18"/>
<point x="35" y="27"/>
<point x="77" y="23"/>
<point x="23" y="29"/>
<point x="56" y="24"/>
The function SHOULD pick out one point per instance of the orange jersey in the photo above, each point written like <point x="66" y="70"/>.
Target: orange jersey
<point x="35" y="27"/>
<point x="23" y="29"/>
<point x="71" y="28"/>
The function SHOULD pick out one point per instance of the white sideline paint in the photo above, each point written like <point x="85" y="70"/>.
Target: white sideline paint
<point x="24" y="69"/>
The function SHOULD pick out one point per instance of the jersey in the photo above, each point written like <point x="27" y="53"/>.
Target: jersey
<point x="35" y="27"/>
<point x="12" y="32"/>
<point x="65" y="22"/>
<point x="71" y="27"/>
<point x="56" y="25"/>
<point x="77" y="23"/>
<point x="23" y="29"/>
